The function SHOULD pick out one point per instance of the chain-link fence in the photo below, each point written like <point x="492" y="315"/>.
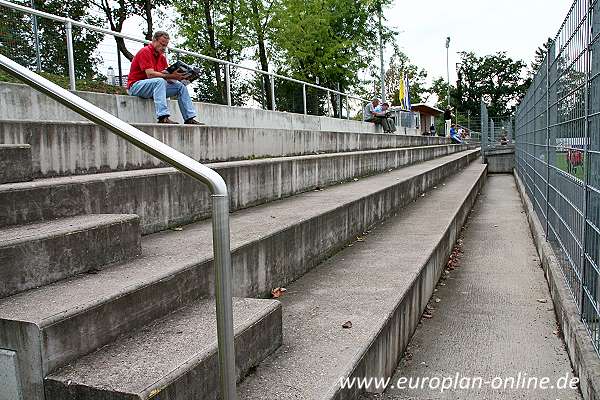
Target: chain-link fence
<point x="558" y="153"/>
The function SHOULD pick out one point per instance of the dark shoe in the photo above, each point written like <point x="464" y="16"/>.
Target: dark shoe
<point x="166" y="120"/>
<point x="192" y="121"/>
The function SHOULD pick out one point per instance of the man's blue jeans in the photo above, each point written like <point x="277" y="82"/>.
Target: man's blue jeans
<point x="159" y="89"/>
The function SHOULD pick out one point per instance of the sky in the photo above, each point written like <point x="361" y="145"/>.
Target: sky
<point x="518" y="27"/>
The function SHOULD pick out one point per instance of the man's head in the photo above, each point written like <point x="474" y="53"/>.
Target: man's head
<point x="385" y="106"/>
<point x="160" y="41"/>
<point x="375" y="102"/>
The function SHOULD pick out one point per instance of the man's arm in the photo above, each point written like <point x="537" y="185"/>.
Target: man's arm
<point x="151" y="73"/>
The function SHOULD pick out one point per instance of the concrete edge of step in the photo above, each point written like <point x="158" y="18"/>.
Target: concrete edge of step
<point x="272" y="308"/>
<point x="251" y="348"/>
<point x="459" y="217"/>
<point x="583" y="356"/>
<point x="217" y="166"/>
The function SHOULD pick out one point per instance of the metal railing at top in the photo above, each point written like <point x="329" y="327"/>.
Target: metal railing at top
<point x="557" y="131"/>
<point x="69" y="24"/>
<point x="189" y="166"/>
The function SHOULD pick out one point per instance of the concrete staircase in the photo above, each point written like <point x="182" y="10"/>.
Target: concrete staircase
<point x="106" y="276"/>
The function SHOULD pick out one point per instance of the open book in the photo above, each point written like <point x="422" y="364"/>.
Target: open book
<point x="191" y="73"/>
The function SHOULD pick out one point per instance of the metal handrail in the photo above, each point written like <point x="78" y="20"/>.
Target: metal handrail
<point x="69" y="23"/>
<point x="187" y="165"/>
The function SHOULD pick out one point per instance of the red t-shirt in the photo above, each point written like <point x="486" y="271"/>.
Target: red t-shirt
<point x="145" y="59"/>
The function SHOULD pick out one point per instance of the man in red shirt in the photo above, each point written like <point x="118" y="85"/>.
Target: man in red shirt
<point x="149" y="80"/>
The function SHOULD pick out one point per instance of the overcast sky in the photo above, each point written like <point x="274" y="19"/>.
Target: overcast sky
<point x="518" y="27"/>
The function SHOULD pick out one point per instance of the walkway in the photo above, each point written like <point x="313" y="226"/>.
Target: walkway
<point x="492" y="316"/>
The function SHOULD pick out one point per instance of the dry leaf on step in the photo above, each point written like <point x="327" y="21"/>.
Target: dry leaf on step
<point x="278" y="292"/>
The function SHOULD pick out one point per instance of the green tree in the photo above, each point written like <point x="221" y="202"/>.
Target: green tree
<point x="214" y="28"/>
<point x="399" y="64"/>
<point x="117" y="12"/>
<point x="17" y="39"/>
<point x="497" y="79"/>
<point x="326" y="41"/>
<point x="257" y="17"/>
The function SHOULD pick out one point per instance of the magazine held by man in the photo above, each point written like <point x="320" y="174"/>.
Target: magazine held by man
<point x="191" y="73"/>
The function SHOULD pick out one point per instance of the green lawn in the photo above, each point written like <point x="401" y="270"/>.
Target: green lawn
<point x="561" y="163"/>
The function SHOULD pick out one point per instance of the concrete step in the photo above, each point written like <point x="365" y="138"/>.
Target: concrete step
<point x="72" y="148"/>
<point x="165" y="198"/>
<point x="173" y="358"/>
<point x="381" y="284"/>
<point x="15" y="163"/>
<point x="272" y="245"/>
<point x="38" y="254"/>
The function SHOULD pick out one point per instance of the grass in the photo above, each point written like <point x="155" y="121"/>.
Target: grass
<point x="561" y="163"/>
<point x="88" y="85"/>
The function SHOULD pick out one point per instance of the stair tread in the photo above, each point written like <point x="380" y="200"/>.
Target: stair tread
<point x="363" y="284"/>
<point x="138" y="361"/>
<point x="165" y="253"/>
<point x="24" y="233"/>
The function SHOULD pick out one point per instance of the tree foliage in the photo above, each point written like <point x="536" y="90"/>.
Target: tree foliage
<point x="497" y="79"/>
<point x="17" y="38"/>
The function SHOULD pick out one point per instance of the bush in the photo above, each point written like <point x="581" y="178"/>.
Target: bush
<point x="88" y="85"/>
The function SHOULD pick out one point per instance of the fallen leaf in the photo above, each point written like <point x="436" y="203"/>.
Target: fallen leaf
<point x="278" y="292"/>
<point x="542" y="300"/>
<point x="355" y="179"/>
<point x="347" y="325"/>
<point x="177" y="228"/>
<point x="437" y="299"/>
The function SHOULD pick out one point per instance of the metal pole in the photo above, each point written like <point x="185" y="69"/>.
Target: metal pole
<point x="586" y="164"/>
<point x="272" y="79"/>
<point x="228" y="84"/>
<point x="448" y="67"/>
<point x="224" y="294"/>
<point x="304" y="98"/>
<point x="347" y="107"/>
<point x="382" y="73"/>
<point x="119" y="67"/>
<point x="36" y="40"/>
<point x="469" y="120"/>
<point x="70" y="57"/>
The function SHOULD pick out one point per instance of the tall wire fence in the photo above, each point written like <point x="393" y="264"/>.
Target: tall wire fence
<point x="558" y="153"/>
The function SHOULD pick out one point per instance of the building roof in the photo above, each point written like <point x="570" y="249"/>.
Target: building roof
<point x="425" y="109"/>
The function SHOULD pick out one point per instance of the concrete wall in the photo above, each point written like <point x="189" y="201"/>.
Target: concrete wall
<point x="67" y="148"/>
<point x="500" y="159"/>
<point x="21" y="102"/>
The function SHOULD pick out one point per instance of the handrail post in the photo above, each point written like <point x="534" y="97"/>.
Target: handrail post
<point x="223" y="295"/>
<point x="347" y="107"/>
<point x="228" y="84"/>
<point x="304" y="97"/>
<point x="70" y="56"/>
<point x="272" y="81"/>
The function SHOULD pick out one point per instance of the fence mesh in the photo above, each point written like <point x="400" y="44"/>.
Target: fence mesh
<point x="558" y="153"/>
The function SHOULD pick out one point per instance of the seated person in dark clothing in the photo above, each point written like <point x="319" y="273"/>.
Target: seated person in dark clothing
<point x="377" y="117"/>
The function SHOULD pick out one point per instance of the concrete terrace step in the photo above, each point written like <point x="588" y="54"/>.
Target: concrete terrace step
<point x="165" y="198"/>
<point x="15" y="163"/>
<point x="38" y="254"/>
<point x="381" y="284"/>
<point x="67" y="148"/>
<point x="271" y="245"/>
<point x="173" y="358"/>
